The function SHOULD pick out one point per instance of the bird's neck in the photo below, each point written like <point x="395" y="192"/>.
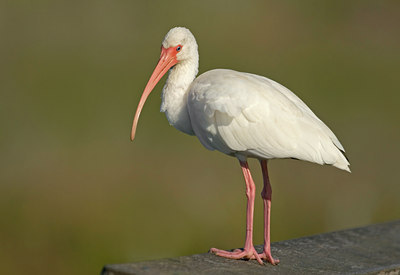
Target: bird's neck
<point x="175" y="92"/>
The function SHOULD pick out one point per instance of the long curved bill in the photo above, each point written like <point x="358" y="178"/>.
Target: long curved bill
<point x="167" y="60"/>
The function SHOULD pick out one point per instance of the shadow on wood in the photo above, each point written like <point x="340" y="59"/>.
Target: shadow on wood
<point x="373" y="249"/>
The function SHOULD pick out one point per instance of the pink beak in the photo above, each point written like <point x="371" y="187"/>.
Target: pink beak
<point x="167" y="60"/>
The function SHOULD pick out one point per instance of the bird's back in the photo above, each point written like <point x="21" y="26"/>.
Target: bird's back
<point x="247" y="115"/>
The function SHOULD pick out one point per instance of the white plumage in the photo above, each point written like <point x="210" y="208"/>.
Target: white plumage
<point x="241" y="115"/>
<point x="247" y="115"/>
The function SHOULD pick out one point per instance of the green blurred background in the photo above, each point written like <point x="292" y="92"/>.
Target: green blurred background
<point x="76" y="194"/>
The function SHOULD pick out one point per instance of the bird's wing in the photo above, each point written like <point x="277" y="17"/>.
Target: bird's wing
<point x="243" y="114"/>
<point x="299" y="103"/>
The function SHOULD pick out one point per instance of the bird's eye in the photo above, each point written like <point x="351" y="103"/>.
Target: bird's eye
<point x="178" y="48"/>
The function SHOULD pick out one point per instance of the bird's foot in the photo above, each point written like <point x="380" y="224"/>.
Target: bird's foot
<point x="247" y="253"/>
<point x="238" y="254"/>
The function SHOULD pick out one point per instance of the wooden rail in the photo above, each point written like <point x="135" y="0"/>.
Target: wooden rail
<point x="374" y="249"/>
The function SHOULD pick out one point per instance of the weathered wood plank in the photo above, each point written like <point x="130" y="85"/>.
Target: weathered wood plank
<point x="366" y="250"/>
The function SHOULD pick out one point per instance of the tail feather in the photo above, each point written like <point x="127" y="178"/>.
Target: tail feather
<point x="343" y="162"/>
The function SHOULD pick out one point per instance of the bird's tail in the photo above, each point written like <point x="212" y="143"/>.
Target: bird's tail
<point x="342" y="162"/>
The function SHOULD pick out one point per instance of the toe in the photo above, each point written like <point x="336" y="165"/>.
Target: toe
<point x="258" y="258"/>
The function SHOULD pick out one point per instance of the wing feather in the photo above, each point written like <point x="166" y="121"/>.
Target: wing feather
<point x="246" y="115"/>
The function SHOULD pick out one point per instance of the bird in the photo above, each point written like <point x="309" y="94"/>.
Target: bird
<point x="242" y="115"/>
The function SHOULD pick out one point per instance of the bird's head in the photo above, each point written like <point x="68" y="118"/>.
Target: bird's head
<point x="178" y="46"/>
<point x="181" y="44"/>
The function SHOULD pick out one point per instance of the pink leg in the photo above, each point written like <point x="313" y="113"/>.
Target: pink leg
<point x="266" y="194"/>
<point x="249" y="251"/>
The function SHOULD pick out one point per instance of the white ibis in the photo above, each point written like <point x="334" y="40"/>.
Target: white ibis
<point x="242" y="115"/>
